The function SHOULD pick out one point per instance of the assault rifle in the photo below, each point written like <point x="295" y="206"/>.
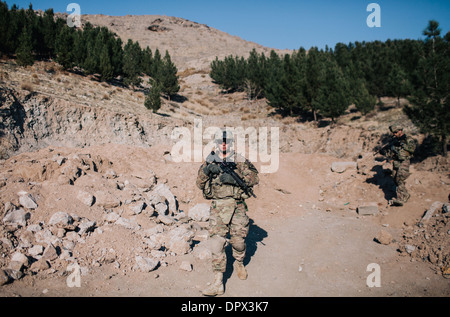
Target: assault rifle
<point x="229" y="167"/>
<point x="390" y="150"/>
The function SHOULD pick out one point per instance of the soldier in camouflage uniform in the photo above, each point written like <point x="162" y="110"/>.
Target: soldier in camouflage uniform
<point x="400" y="150"/>
<point x="228" y="208"/>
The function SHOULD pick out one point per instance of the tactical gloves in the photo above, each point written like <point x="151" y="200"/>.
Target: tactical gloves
<point x="211" y="169"/>
<point x="214" y="169"/>
<point x="227" y="179"/>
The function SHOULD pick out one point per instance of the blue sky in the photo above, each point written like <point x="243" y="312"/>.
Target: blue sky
<point x="284" y="23"/>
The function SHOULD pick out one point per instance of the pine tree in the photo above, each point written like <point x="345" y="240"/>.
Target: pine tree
<point x="397" y="83"/>
<point x="254" y="76"/>
<point x="333" y="98"/>
<point x="217" y="72"/>
<point x="91" y="60"/>
<point x="273" y="88"/>
<point x="79" y="47"/>
<point x="49" y="33"/>
<point x="106" y="68"/>
<point x="64" y="48"/>
<point x="4" y="25"/>
<point x="153" y="99"/>
<point x="17" y="22"/>
<point x="315" y="74"/>
<point x="132" y="63"/>
<point x="116" y="52"/>
<point x="167" y="77"/>
<point x="364" y="102"/>
<point x="156" y="63"/>
<point x="430" y="104"/>
<point x="24" y="51"/>
<point x="147" y="61"/>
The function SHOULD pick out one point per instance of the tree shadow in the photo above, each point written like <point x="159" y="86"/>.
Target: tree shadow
<point x="255" y="234"/>
<point x="178" y="98"/>
<point x="429" y="147"/>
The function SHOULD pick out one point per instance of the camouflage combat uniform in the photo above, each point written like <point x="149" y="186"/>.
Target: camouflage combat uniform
<point x="228" y="210"/>
<point x="401" y="151"/>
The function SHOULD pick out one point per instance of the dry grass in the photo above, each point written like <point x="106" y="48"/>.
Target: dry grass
<point x="248" y="116"/>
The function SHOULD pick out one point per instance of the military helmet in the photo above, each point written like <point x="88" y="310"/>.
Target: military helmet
<point x="224" y="135"/>
<point x="395" y="128"/>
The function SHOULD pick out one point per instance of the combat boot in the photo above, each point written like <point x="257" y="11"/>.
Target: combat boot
<point x="240" y="269"/>
<point x="396" y="203"/>
<point x="216" y="288"/>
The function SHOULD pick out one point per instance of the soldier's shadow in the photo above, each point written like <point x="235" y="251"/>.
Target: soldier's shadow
<point x="255" y="234"/>
<point x="383" y="178"/>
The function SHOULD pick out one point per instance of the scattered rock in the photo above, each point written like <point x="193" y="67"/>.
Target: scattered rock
<point x="178" y="240"/>
<point x="50" y="253"/>
<point x="186" y="266"/>
<point x="368" y="210"/>
<point x="383" y="237"/>
<point x="4" y="277"/>
<point x="340" y="167"/>
<point x="165" y="220"/>
<point x="112" y="217"/>
<point x="164" y="191"/>
<point x="127" y="223"/>
<point x="202" y="250"/>
<point x="61" y="219"/>
<point x="409" y="248"/>
<point x="27" y="201"/>
<point x="86" y="198"/>
<point x="146" y="264"/>
<point x="137" y="208"/>
<point x="106" y="200"/>
<point x="19" y="258"/>
<point x="36" y="250"/>
<point x="16" y="218"/>
<point x="431" y="211"/>
<point x="40" y="265"/>
<point x="85" y="226"/>
<point x="200" y="212"/>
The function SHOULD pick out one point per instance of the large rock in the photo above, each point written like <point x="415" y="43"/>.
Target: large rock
<point x="178" y="240"/>
<point x="128" y="223"/>
<point x="20" y="258"/>
<point x="383" y="237"/>
<point x="200" y="212"/>
<point x="106" y="200"/>
<point x="36" y="250"/>
<point x="40" y="265"/>
<point x="16" y="218"/>
<point x="86" y="225"/>
<point x="86" y="198"/>
<point x="202" y="250"/>
<point x="168" y="221"/>
<point x="146" y="264"/>
<point x="368" y="210"/>
<point x="27" y="201"/>
<point x="164" y="191"/>
<point x="436" y="206"/>
<point x="61" y="219"/>
<point x="50" y="253"/>
<point x="4" y="277"/>
<point x="340" y="167"/>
